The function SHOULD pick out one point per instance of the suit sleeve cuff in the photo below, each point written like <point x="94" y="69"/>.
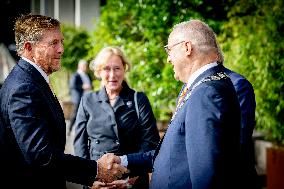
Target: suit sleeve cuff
<point x="124" y="161"/>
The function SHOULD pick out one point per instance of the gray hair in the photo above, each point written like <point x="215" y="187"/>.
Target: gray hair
<point x="82" y="62"/>
<point x="104" y="55"/>
<point x="201" y="36"/>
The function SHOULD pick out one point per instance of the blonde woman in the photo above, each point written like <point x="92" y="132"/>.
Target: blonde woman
<point x="111" y="120"/>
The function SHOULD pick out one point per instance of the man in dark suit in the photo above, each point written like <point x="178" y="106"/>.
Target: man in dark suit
<point x="32" y="125"/>
<point x="80" y="82"/>
<point x="245" y="93"/>
<point x="201" y="148"/>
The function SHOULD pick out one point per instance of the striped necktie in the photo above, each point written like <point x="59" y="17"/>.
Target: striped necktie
<point x="182" y="95"/>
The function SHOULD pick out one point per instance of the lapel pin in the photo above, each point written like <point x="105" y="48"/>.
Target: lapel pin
<point x="129" y="104"/>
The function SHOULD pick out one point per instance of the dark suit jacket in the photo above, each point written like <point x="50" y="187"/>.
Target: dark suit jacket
<point x="33" y="135"/>
<point x="246" y="98"/>
<point x="76" y="87"/>
<point x="114" y="129"/>
<point x="247" y="102"/>
<point x="101" y="128"/>
<point x="201" y="148"/>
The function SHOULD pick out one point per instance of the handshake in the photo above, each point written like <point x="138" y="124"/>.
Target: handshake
<point x="111" y="174"/>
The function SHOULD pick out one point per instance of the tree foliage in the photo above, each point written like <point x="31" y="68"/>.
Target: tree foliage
<point x="250" y="33"/>
<point x="253" y="42"/>
<point x="76" y="46"/>
<point x="142" y="29"/>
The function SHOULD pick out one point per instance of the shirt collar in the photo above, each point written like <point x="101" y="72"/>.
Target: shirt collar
<point x="44" y="75"/>
<point x="199" y="72"/>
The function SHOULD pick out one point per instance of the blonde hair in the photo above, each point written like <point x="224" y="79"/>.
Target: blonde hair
<point x="30" y="28"/>
<point x="104" y="55"/>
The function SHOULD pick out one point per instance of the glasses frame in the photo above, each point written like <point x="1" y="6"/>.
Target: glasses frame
<point x="168" y="48"/>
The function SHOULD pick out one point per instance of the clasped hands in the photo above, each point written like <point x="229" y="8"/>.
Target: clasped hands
<point x="110" y="173"/>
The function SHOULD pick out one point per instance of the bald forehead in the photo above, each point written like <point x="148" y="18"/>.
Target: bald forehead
<point x="188" y="25"/>
<point x="179" y="31"/>
<point x="193" y="30"/>
<point x="175" y="35"/>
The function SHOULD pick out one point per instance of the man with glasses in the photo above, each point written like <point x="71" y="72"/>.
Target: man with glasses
<point x="246" y="97"/>
<point x="201" y="148"/>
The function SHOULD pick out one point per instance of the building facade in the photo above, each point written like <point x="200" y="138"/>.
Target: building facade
<point x="80" y="13"/>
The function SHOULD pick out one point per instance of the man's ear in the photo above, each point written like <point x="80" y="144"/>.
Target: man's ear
<point x="188" y="46"/>
<point x="28" y="46"/>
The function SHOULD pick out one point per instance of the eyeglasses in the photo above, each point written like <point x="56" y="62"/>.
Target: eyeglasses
<point x="168" y="48"/>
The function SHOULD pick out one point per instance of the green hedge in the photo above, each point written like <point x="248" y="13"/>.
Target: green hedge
<point x="250" y="33"/>
<point x="253" y="42"/>
<point x="142" y="29"/>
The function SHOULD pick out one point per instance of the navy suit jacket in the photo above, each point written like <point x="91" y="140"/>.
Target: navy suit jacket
<point x="246" y="98"/>
<point x="32" y="141"/>
<point x="201" y="148"/>
<point x="247" y="103"/>
<point x="114" y="129"/>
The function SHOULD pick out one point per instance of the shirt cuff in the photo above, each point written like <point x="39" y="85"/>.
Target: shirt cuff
<point x="124" y="161"/>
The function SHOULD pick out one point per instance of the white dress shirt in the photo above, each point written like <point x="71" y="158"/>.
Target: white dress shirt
<point x="199" y="72"/>
<point x="44" y="75"/>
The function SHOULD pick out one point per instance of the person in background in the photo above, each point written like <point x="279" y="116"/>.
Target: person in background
<point x="246" y="97"/>
<point x="201" y="148"/>
<point x="32" y="124"/>
<point x="245" y="93"/>
<point x="116" y="118"/>
<point x="80" y="83"/>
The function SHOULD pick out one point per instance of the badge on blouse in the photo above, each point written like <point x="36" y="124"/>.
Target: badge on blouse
<point x="129" y="104"/>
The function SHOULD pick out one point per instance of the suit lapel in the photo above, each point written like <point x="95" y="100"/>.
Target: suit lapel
<point x="125" y="95"/>
<point x="53" y="102"/>
<point x="106" y="107"/>
<point x="207" y="73"/>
